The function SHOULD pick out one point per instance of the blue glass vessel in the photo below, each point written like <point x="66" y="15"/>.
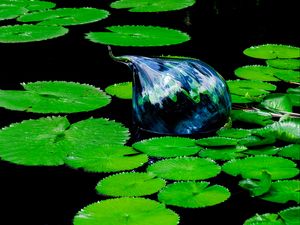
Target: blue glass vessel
<point x="177" y="96"/>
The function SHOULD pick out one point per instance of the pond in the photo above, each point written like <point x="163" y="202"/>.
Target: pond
<point x="219" y="31"/>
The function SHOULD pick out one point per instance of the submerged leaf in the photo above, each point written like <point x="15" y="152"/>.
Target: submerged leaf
<point x="121" y="90"/>
<point x="126" y="211"/>
<point x="65" y="16"/>
<point x="167" y="146"/>
<point x="252" y="167"/>
<point x="129" y="35"/>
<point x="152" y="6"/>
<point x="29" y="33"/>
<point x="130" y="185"/>
<point x="193" y="194"/>
<point x="272" y="51"/>
<point x="288" y="64"/>
<point x="185" y="168"/>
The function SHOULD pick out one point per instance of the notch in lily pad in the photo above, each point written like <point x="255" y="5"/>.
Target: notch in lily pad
<point x="138" y="36"/>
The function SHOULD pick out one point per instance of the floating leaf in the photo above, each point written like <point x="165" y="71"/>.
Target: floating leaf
<point x="193" y="194"/>
<point x="29" y="33"/>
<point x="126" y="211"/>
<point x="167" y="146"/>
<point x="261" y="73"/>
<point x="290" y="215"/>
<point x="234" y="133"/>
<point x="130" y="185"/>
<point x="265" y="219"/>
<point x="107" y="158"/>
<point x="257" y="188"/>
<point x="252" y="116"/>
<point x="291" y="151"/>
<point x="54" y="97"/>
<point x="294" y="95"/>
<point x="65" y="16"/>
<point x="152" y="6"/>
<point x="288" y="75"/>
<point x="217" y="141"/>
<point x="252" y="167"/>
<point x="283" y="191"/>
<point x="277" y="102"/>
<point x="29" y="5"/>
<point x="250" y="87"/>
<point x="272" y="51"/>
<point x="226" y="153"/>
<point x="268" y="150"/>
<point x="253" y="141"/>
<point x="185" y="168"/>
<point x="288" y="64"/>
<point x="130" y="35"/>
<point x="10" y="11"/>
<point x="245" y="99"/>
<point x="121" y="90"/>
<point x="47" y="141"/>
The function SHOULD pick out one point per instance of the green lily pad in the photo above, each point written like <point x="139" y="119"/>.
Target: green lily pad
<point x="47" y="141"/>
<point x="226" y="153"/>
<point x="106" y="159"/>
<point x="29" y="5"/>
<point x="217" y="141"/>
<point x="185" y="168"/>
<point x="265" y="219"/>
<point x="250" y="87"/>
<point x="272" y="51"/>
<point x="283" y="191"/>
<point x="167" y="146"/>
<point x="65" y="16"/>
<point x="130" y="185"/>
<point x="245" y="99"/>
<point x="152" y="6"/>
<point x="234" y="133"/>
<point x="288" y="75"/>
<point x="193" y="194"/>
<point x="126" y="211"/>
<point x="256" y="72"/>
<point x="288" y="64"/>
<point x="30" y="33"/>
<point x="130" y="35"/>
<point x="54" y="97"/>
<point x="10" y="11"/>
<point x="294" y="96"/>
<point x="254" y="141"/>
<point x="121" y="90"/>
<point x="260" y="187"/>
<point x="268" y="150"/>
<point x="252" y="116"/>
<point x="290" y="215"/>
<point x="252" y="167"/>
<point x="277" y="103"/>
<point x="291" y="151"/>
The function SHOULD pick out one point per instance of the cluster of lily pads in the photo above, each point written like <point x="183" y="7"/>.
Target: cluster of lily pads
<point x="175" y="167"/>
<point x="44" y="21"/>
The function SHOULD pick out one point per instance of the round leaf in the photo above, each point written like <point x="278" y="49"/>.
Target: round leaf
<point x="288" y="64"/>
<point x="252" y="116"/>
<point x="265" y="219"/>
<point x="186" y="168"/>
<point x="291" y="151"/>
<point x="234" y="133"/>
<point x="130" y="185"/>
<point x="126" y="211"/>
<point x="10" y="11"/>
<point x="249" y="87"/>
<point x="290" y="215"/>
<point x="152" y="6"/>
<point x="193" y="194"/>
<point x="260" y="73"/>
<point x="65" y="16"/>
<point x="29" y="5"/>
<point x="29" y="33"/>
<point x="167" y="146"/>
<point x="252" y="167"/>
<point x="277" y="102"/>
<point x="139" y="36"/>
<point x="217" y="141"/>
<point x="226" y="153"/>
<point x="121" y="90"/>
<point x="272" y="51"/>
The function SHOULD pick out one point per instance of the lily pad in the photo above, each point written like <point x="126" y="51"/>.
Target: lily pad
<point x="130" y="35"/>
<point x="268" y="150"/>
<point x="10" y="11"/>
<point x="250" y="87"/>
<point x="288" y="75"/>
<point x="226" y="153"/>
<point x="65" y="16"/>
<point x="291" y="151"/>
<point x="185" y="168"/>
<point x="130" y="185"/>
<point x="255" y="141"/>
<point x="167" y="146"/>
<point x="234" y="133"/>
<point x="245" y="99"/>
<point x="288" y="64"/>
<point x="283" y="191"/>
<point x="252" y="167"/>
<point x="294" y="96"/>
<point x="54" y="97"/>
<point x="29" y="5"/>
<point x="290" y="215"/>
<point x="121" y="90"/>
<point x="30" y="33"/>
<point x="193" y="194"/>
<point x="272" y="51"/>
<point x="126" y="211"/>
<point x="265" y="219"/>
<point x="252" y="116"/>
<point x="277" y="103"/>
<point x="217" y="141"/>
<point x="152" y="6"/>
<point x="47" y="141"/>
<point x="256" y="72"/>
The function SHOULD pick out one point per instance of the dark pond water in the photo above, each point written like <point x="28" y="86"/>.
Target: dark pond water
<point x="220" y="30"/>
